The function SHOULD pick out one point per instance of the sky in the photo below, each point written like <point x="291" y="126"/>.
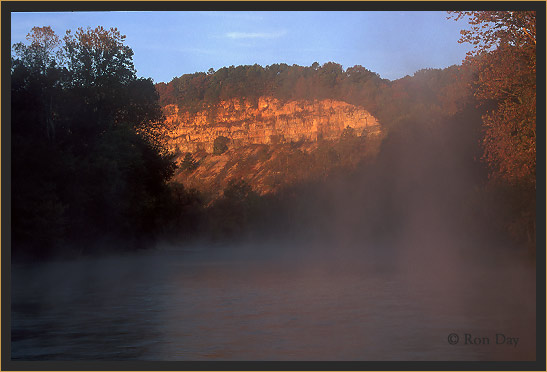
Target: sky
<point x="169" y="44"/>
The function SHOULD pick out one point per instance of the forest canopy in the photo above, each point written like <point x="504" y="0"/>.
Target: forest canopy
<point x="504" y="57"/>
<point x="87" y="162"/>
<point x="277" y="80"/>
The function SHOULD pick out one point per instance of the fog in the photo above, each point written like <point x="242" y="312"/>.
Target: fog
<point x="381" y="263"/>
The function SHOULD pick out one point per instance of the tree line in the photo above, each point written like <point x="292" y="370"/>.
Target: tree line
<point x="330" y="80"/>
<point x="88" y="167"/>
<point x="504" y="58"/>
<point x="443" y="91"/>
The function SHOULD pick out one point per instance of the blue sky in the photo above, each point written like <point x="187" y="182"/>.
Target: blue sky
<point x="169" y="44"/>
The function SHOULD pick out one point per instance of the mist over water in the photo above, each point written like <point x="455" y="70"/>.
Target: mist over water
<point x="193" y="306"/>
<point x="341" y="290"/>
<point x="385" y="264"/>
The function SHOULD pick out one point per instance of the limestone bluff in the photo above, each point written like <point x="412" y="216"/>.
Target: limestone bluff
<point x="266" y="121"/>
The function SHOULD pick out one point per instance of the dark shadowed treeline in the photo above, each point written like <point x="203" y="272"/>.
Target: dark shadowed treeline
<point x="194" y="91"/>
<point x="88" y="171"/>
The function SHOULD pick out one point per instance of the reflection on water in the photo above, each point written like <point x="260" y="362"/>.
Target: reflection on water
<point x="181" y="306"/>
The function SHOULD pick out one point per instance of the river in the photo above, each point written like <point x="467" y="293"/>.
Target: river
<point x="174" y="305"/>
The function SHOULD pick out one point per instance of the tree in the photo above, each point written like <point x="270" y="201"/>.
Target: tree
<point x="189" y="163"/>
<point x="504" y="53"/>
<point x="98" y="56"/>
<point x="220" y="145"/>
<point x="237" y="190"/>
<point x="42" y="51"/>
<point x="36" y="72"/>
<point x="348" y="133"/>
<point x="231" y="215"/>
<point x="88" y="159"/>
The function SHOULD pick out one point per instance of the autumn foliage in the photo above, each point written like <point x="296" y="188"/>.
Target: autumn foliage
<point x="505" y="56"/>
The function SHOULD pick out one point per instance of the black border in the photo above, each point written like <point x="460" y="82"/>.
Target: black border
<point x="271" y="366"/>
<point x="59" y="6"/>
<point x="7" y="7"/>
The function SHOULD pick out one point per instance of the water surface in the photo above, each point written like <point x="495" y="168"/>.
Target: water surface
<point x="176" y="305"/>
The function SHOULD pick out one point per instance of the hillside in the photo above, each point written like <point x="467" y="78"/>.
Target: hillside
<point x="269" y="143"/>
<point x="251" y="140"/>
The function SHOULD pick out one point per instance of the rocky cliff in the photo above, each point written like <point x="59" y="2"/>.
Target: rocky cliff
<point x="271" y="143"/>
<point x="268" y="121"/>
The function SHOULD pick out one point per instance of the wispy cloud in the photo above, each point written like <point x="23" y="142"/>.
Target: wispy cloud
<point x="255" y="35"/>
<point x="247" y="16"/>
<point x="161" y="47"/>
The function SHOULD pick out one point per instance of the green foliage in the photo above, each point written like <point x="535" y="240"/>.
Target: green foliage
<point x="220" y="145"/>
<point x="199" y="90"/>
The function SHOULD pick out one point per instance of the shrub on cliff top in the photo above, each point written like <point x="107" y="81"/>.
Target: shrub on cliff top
<point x="220" y="145"/>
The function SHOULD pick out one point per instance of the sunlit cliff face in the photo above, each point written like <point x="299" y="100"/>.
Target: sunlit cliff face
<point x="268" y="122"/>
<point x="271" y="143"/>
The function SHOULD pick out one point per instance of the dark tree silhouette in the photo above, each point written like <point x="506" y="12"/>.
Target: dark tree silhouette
<point x="88" y="163"/>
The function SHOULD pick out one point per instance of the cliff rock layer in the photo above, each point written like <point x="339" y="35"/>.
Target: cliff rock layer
<point x="269" y="121"/>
